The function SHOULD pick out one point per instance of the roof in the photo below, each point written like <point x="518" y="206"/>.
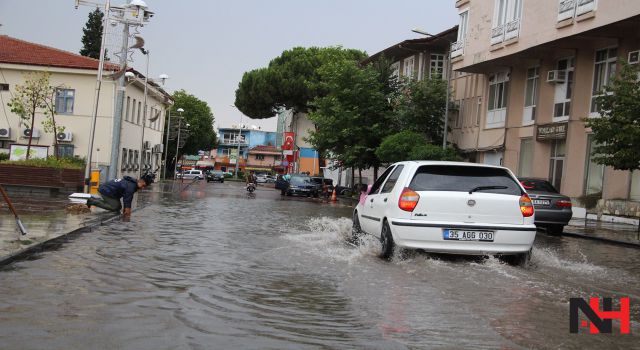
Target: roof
<point x="18" y="51"/>
<point x="405" y="48"/>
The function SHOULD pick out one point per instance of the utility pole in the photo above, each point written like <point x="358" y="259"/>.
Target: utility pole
<point x="117" y="116"/>
<point x="166" y="145"/>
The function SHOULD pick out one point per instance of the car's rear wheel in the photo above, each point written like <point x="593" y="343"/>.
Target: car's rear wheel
<point x="518" y="259"/>
<point x="555" y="230"/>
<point x="386" y="242"/>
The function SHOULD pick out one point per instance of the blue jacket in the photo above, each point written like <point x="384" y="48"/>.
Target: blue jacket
<point x="120" y="188"/>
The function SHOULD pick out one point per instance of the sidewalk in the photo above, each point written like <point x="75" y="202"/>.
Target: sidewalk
<point x="620" y="233"/>
<point x="47" y="221"/>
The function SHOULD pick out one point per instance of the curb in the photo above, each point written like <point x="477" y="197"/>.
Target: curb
<point x="602" y="239"/>
<point x="54" y="242"/>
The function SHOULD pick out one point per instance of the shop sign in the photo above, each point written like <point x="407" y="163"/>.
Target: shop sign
<point x="554" y="131"/>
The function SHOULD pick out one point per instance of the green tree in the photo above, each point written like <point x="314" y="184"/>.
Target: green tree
<point x="290" y="81"/>
<point x="420" y="107"/>
<point x="29" y="98"/>
<point x="198" y="115"/>
<point x="617" y="130"/>
<point x="410" y="145"/>
<point x="49" y="124"/>
<point x="353" y="116"/>
<point x="92" y="35"/>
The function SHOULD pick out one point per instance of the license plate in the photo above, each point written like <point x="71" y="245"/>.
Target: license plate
<point x="541" y="202"/>
<point x="466" y="235"/>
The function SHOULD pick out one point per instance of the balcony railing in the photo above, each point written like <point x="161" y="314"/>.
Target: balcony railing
<point x="566" y="9"/>
<point x="512" y="30"/>
<point x="232" y="143"/>
<point x="497" y="34"/>
<point x="457" y="48"/>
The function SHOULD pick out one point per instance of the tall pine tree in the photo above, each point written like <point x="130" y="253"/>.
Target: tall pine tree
<point x="92" y="37"/>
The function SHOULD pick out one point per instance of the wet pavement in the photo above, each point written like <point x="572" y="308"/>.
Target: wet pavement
<point x="213" y="267"/>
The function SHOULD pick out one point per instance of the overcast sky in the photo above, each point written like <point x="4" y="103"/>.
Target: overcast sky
<point x="206" y="46"/>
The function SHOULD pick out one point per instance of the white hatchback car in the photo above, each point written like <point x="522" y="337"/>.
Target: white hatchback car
<point x="448" y="207"/>
<point x="192" y="174"/>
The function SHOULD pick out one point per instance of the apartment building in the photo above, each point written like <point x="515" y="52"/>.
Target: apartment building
<point x="75" y="79"/>
<point x="537" y="67"/>
<point x="235" y="143"/>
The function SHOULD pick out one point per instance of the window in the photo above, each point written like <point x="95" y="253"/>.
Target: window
<point x="556" y="163"/>
<point x="436" y="66"/>
<point x="634" y="193"/>
<point x="64" y="101"/>
<point x="126" y="114"/>
<point x="457" y="48"/>
<point x="376" y="185"/>
<point x="498" y="90"/>
<point x="133" y="111"/>
<point x="567" y="9"/>
<point x="259" y="156"/>
<point x="4" y="87"/>
<point x="224" y="152"/>
<point x="463" y="179"/>
<point x="603" y="72"/>
<point x="525" y="164"/>
<point x="408" y="66"/>
<point x="139" y="112"/>
<point x="123" y="162"/>
<point x="135" y="159"/>
<point x="506" y="20"/>
<point x="393" y="178"/>
<point x="531" y="95"/>
<point x="594" y="174"/>
<point x="65" y="151"/>
<point x="562" y="106"/>
<point x="130" y="161"/>
<point x="395" y="69"/>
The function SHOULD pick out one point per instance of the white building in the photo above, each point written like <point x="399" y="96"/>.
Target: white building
<point x="75" y="77"/>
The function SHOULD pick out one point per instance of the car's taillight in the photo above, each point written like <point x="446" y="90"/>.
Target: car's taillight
<point x="526" y="207"/>
<point x="408" y="199"/>
<point x="563" y="204"/>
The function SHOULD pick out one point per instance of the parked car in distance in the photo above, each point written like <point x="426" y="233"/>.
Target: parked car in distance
<point x="553" y="210"/>
<point x="215" y="175"/>
<point x="191" y="174"/>
<point x="448" y="207"/>
<point x="301" y="185"/>
<point x="262" y="178"/>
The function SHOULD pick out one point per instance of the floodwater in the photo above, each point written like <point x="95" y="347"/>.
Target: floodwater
<point x="215" y="268"/>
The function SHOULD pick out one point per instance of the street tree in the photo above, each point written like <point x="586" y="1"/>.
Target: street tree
<point x="410" y="145"/>
<point x="353" y="116"/>
<point x="200" y="134"/>
<point x="92" y="35"/>
<point x="617" y="131"/>
<point x="420" y="107"/>
<point x="29" y="98"/>
<point x="49" y="123"/>
<point x="290" y="81"/>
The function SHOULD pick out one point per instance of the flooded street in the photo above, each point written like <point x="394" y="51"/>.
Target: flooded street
<point x="215" y="268"/>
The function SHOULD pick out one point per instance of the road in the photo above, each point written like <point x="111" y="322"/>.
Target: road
<point x="216" y="268"/>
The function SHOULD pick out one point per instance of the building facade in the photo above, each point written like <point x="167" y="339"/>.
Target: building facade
<point x="74" y="77"/>
<point x="238" y="140"/>
<point x="536" y="68"/>
<point x="305" y="157"/>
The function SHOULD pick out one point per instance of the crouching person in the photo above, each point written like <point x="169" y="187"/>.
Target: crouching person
<point x="114" y="190"/>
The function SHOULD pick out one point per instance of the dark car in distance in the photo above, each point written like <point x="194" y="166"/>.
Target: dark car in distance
<point x="215" y="175"/>
<point x="301" y="185"/>
<point x="552" y="209"/>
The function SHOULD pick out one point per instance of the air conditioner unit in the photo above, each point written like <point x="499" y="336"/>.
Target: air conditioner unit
<point x="5" y="133"/>
<point x="159" y="148"/>
<point x="34" y="133"/>
<point x="556" y="76"/>
<point x="146" y="145"/>
<point x="634" y="57"/>
<point x="66" y="136"/>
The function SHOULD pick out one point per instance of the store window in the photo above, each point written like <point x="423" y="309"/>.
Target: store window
<point x="594" y="173"/>
<point x="525" y="163"/>
<point x="556" y="166"/>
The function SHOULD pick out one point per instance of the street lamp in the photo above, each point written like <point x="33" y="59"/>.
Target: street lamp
<point x="446" y="107"/>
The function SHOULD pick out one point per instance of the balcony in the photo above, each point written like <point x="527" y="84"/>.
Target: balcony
<point x="497" y="34"/>
<point x="457" y="48"/>
<point x="230" y="142"/>
<point x="513" y="30"/>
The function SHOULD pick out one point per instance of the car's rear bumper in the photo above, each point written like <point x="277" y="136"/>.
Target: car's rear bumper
<point x="553" y="216"/>
<point x="507" y="239"/>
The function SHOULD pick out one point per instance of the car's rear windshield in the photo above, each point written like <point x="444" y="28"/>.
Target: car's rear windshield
<point x="300" y="180"/>
<point x="463" y="179"/>
<point x="537" y="185"/>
